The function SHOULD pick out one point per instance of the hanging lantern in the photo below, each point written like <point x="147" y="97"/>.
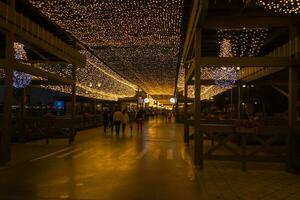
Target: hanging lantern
<point x="20" y="79"/>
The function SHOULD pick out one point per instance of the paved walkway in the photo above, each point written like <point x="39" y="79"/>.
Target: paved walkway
<point x="154" y="165"/>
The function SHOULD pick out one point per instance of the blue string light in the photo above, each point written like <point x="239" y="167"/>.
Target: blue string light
<point x="20" y="79"/>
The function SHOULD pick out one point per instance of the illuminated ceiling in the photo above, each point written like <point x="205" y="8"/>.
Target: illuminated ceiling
<point x="137" y="38"/>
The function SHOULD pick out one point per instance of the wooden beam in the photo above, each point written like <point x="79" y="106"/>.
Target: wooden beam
<point x="198" y="134"/>
<point x="185" y="110"/>
<point x="41" y="73"/>
<point x="244" y="62"/>
<point x="229" y="22"/>
<point x="198" y="13"/>
<point x="50" y="62"/>
<point x="209" y="82"/>
<point x="32" y="33"/>
<point x="6" y="121"/>
<point x="292" y="109"/>
<point x="190" y="73"/>
<point x="73" y="106"/>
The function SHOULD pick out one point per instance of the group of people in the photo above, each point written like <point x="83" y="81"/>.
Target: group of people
<point x="122" y="119"/>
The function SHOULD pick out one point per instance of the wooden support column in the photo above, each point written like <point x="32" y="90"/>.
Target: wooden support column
<point x="231" y="103"/>
<point x="73" y="107"/>
<point x="198" y="135"/>
<point x="6" y="122"/>
<point x="292" y="109"/>
<point x="185" y="108"/>
<point x="176" y="108"/>
<point x="22" y="101"/>
<point x="239" y="102"/>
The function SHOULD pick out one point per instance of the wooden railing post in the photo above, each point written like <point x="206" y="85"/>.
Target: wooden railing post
<point x="73" y="107"/>
<point x="292" y="108"/>
<point x="186" y="126"/>
<point x="198" y="135"/>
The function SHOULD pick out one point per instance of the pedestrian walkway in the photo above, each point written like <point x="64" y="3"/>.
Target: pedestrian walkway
<point x="154" y="165"/>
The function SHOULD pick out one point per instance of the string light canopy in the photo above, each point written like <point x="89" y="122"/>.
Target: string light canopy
<point x="95" y="80"/>
<point x="281" y="6"/>
<point x="20" y="79"/>
<point x="233" y="43"/>
<point x="139" y="39"/>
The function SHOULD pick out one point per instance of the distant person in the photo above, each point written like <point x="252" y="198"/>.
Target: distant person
<point x="105" y="120"/>
<point x="125" y="121"/>
<point x="131" y="120"/>
<point x="140" y="119"/>
<point x="111" y="121"/>
<point x="117" y="118"/>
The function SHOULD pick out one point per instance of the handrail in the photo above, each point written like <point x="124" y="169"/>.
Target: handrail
<point x="33" y="33"/>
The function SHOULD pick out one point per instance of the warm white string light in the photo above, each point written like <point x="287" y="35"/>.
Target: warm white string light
<point x="243" y="42"/>
<point x="281" y="6"/>
<point x="139" y="39"/>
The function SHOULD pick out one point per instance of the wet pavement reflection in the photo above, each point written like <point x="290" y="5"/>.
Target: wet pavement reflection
<point x="152" y="165"/>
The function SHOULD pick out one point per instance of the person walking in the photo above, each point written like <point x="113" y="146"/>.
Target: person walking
<point x="125" y="121"/>
<point x="111" y="121"/>
<point x="105" y="116"/>
<point x="140" y="119"/>
<point x="118" y="117"/>
<point x="131" y="120"/>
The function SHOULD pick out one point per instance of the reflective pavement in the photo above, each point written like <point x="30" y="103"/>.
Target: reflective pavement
<point x="154" y="165"/>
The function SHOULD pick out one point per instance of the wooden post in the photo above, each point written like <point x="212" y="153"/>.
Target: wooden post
<point x="23" y="136"/>
<point x="292" y="108"/>
<point x="186" y="127"/>
<point x="239" y="102"/>
<point x="176" y="108"/>
<point x="198" y="135"/>
<point x="6" y="125"/>
<point x="231" y="103"/>
<point x="73" y="107"/>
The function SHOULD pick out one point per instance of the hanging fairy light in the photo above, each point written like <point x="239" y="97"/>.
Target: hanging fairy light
<point x="225" y="77"/>
<point x="20" y="79"/>
<point x="139" y="39"/>
<point x="95" y="80"/>
<point x="281" y="6"/>
<point x="243" y="42"/>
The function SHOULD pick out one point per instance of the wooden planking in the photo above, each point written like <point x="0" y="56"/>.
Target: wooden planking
<point x="27" y="30"/>
<point x="244" y="61"/>
<point x="229" y="22"/>
<point x="199" y="11"/>
<point x="41" y="73"/>
<point x="190" y="73"/>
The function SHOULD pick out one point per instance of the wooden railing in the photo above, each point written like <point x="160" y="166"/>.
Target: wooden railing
<point x="29" y="31"/>
<point x="263" y="144"/>
<point x="52" y="127"/>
